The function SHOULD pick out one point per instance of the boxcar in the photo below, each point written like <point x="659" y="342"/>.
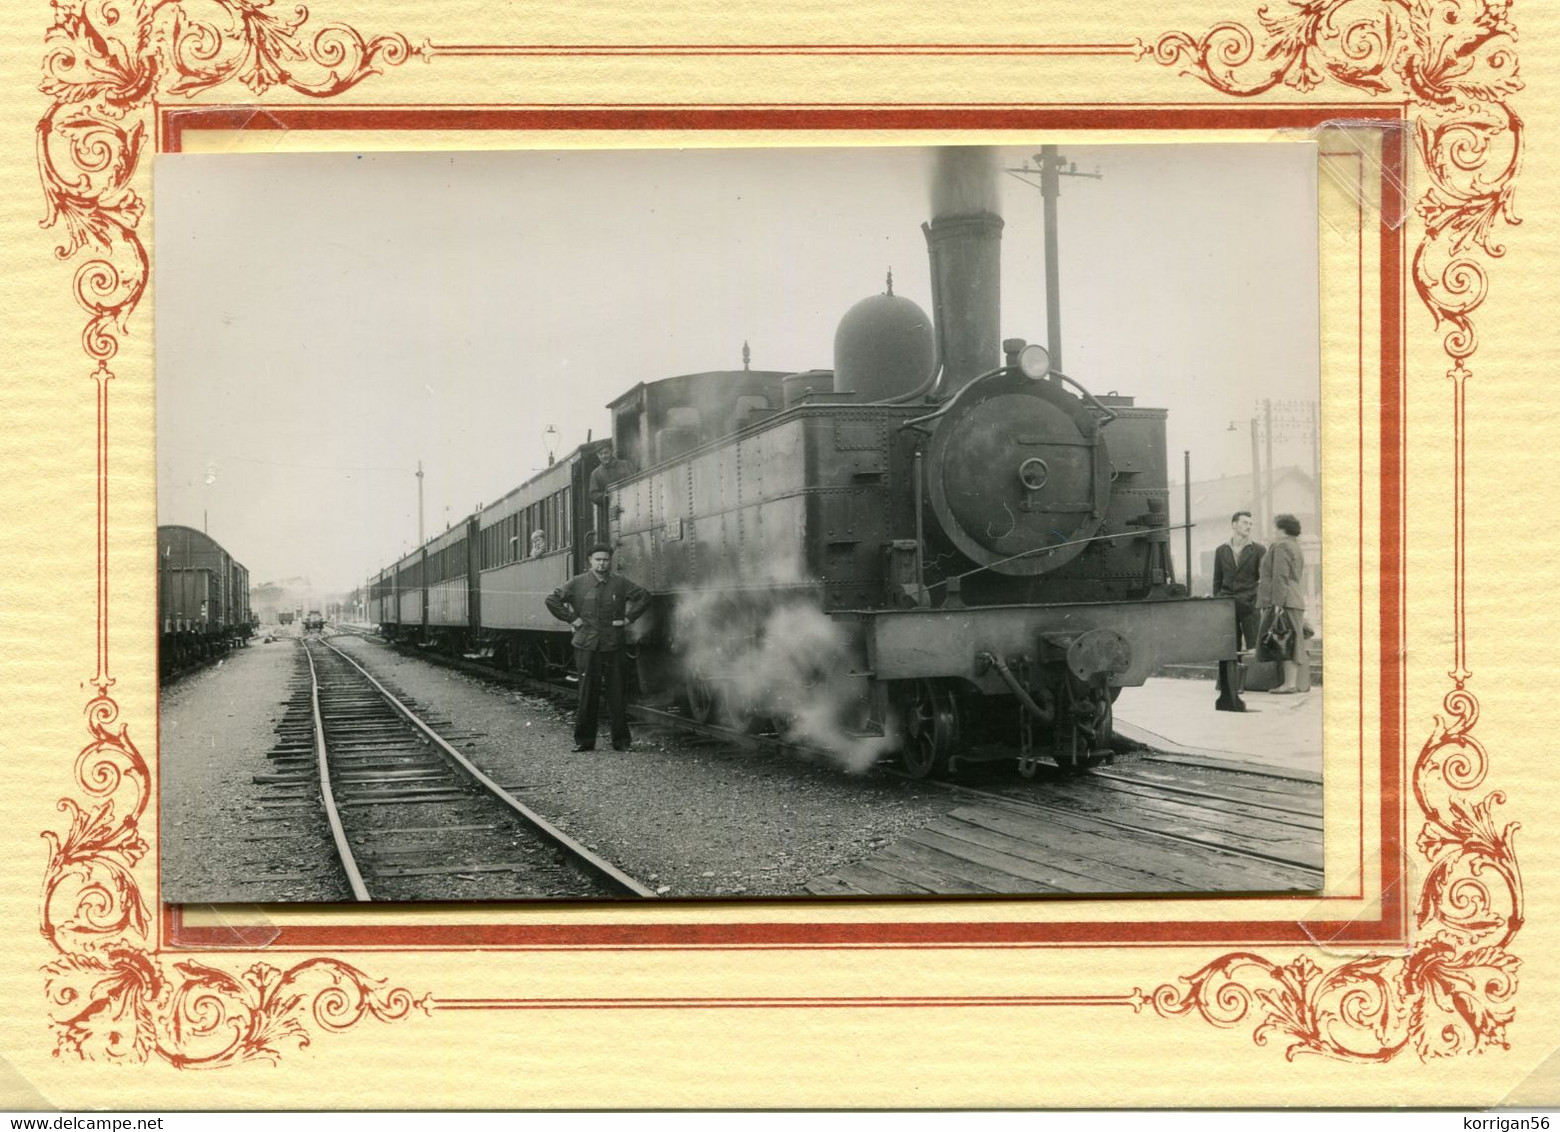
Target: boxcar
<point x="202" y="598"/>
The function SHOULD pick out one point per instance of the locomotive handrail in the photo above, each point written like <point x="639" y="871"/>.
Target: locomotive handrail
<point x="1093" y="401"/>
<point x="948" y="405"/>
<point x="1106" y="414"/>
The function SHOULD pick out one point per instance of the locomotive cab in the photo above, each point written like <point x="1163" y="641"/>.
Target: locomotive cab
<point x="658" y="421"/>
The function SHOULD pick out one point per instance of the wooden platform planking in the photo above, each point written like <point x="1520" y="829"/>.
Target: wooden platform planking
<point x="992" y="868"/>
<point x="1064" y="868"/>
<point x="863" y="878"/>
<point x="1210" y="800"/>
<point x="995" y="849"/>
<point x="834" y="886"/>
<point x="1185" y="818"/>
<point x="1211" y="760"/>
<point x="1281" y="793"/>
<point x="1198" y="868"/>
<point x="938" y="872"/>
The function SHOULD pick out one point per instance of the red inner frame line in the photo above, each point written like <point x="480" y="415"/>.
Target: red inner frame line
<point x="1390" y="927"/>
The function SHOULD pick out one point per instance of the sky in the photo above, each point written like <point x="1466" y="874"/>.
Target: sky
<point x="327" y="321"/>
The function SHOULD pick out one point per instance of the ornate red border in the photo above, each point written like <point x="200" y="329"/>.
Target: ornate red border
<point x="1452" y="62"/>
<point x="1389" y="927"/>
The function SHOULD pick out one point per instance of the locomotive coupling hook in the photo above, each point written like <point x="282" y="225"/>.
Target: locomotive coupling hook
<point x="1042" y="714"/>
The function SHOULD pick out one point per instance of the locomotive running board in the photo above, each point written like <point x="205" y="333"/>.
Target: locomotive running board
<point x="916" y="644"/>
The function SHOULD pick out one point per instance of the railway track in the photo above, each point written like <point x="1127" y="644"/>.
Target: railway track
<point x="410" y="817"/>
<point x="1141" y="824"/>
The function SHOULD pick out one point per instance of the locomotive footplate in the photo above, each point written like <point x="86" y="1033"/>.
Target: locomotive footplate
<point x="920" y="644"/>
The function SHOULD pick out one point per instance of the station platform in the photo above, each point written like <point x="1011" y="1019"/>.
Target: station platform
<point x="1275" y="734"/>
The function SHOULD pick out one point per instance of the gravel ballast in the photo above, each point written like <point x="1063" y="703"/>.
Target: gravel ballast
<point x="219" y="843"/>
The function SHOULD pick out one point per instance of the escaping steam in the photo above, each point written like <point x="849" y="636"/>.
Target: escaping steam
<point x="964" y="181"/>
<point x="778" y="656"/>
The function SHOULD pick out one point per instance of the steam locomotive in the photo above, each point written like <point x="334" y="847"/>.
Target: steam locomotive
<point x="961" y="552"/>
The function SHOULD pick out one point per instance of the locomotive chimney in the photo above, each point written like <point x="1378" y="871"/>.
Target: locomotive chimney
<point x="964" y="241"/>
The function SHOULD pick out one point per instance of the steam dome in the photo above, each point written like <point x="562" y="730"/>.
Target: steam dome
<point x="883" y="348"/>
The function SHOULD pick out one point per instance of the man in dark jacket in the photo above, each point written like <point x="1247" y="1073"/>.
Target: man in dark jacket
<point x="600" y="605"/>
<point x="1237" y="565"/>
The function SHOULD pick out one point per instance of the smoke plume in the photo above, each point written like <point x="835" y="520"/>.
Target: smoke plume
<point x="783" y="658"/>
<point x="964" y="181"/>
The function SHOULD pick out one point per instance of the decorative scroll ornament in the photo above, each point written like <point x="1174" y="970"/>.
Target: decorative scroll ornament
<point x="1452" y="993"/>
<point x="111" y="996"/>
<point x="1455" y="62"/>
<point x="107" y="63"/>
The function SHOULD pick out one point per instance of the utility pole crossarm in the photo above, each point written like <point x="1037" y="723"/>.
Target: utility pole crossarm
<point x="1051" y="167"/>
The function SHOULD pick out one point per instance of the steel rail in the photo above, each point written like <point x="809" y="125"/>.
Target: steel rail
<point x="322" y="757"/>
<point x="598" y="865"/>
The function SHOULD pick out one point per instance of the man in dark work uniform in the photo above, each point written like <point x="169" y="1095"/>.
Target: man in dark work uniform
<point x="1236" y="567"/>
<point x="600" y="605"/>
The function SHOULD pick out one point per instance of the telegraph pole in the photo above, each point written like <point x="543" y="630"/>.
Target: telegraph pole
<point x="1052" y="167"/>
<point x="1263" y="521"/>
<point x="419" y="503"/>
<point x="1267" y="425"/>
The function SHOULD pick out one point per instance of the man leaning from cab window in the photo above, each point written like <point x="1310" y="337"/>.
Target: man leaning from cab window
<point x="610" y="469"/>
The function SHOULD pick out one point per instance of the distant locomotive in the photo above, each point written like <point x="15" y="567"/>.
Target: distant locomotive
<point x="986" y="542"/>
<point x="202" y="598"/>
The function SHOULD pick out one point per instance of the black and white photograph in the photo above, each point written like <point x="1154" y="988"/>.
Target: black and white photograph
<point x="872" y="522"/>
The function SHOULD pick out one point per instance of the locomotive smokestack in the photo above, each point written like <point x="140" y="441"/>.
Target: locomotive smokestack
<point x="964" y="241"/>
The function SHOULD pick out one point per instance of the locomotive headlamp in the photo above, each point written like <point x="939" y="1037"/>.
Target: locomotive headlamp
<point x="1035" y="361"/>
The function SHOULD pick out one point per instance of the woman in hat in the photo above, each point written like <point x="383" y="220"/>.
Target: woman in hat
<point x="1281" y="596"/>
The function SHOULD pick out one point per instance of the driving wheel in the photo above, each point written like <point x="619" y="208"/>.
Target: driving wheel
<point x="931" y="729"/>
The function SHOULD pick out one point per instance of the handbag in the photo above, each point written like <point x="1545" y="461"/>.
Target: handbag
<point x="1277" y="638"/>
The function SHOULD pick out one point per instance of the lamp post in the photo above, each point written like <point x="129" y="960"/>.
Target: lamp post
<point x="419" y="503"/>
<point x="550" y="442"/>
